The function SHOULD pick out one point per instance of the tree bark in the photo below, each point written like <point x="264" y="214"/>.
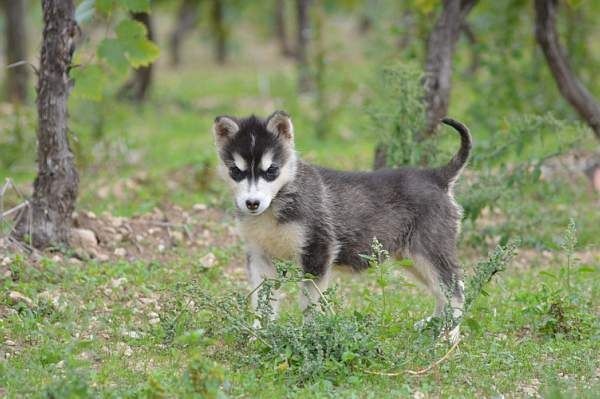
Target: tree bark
<point x="187" y="19"/>
<point x="438" y="65"/>
<point x="56" y="185"/>
<point x="220" y="31"/>
<point x="302" y="9"/>
<point x="17" y="76"/>
<point x="280" y="29"/>
<point x="570" y="87"/>
<point x="137" y="87"/>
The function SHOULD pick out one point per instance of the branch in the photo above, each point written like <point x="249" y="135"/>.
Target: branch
<point x="569" y="86"/>
<point x="23" y="62"/>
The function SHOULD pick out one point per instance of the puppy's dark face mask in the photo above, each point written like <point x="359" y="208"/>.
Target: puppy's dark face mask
<point x="257" y="158"/>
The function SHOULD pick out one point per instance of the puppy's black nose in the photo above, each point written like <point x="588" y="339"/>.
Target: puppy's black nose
<point x="252" y="204"/>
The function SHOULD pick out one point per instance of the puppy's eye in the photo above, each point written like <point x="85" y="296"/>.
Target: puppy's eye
<point x="236" y="174"/>
<point x="272" y="173"/>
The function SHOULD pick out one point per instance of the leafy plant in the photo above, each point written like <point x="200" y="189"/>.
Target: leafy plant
<point x="130" y="48"/>
<point x="556" y="309"/>
<point x="398" y="113"/>
<point x="325" y="343"/>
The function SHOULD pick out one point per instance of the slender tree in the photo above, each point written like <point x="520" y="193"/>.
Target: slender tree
<point x="17" y="76"/>
<point x="469" y="34"/>
<point x="220" y="31"/>
<point x="438" y="65"/>
<point x="187" y="19"/>
<point x="281" y="29"/>
<point x="56" y="185"/>
<point x="570" y="87"/>
<point x="302" y="15"/>
<point x="137" y="87"/>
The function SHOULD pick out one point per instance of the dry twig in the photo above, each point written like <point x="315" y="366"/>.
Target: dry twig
<point x="417" y="372"/>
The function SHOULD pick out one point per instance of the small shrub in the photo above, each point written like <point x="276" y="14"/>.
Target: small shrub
<point x="556" y="310"/>
<point x="326" y="343"/>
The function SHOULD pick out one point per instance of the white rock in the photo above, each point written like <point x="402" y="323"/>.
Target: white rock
<point x="117" y="282"/>
<point x="120" y="252"/>
<point x="132" y="334"/>
<point x="16" y="297"/>
<point x="84" y="240"/>
<point x="199" y="207"/>
<point x="208" y="260"/>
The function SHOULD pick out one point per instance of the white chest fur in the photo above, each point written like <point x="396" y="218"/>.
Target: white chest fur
<point x="282" y="241"/>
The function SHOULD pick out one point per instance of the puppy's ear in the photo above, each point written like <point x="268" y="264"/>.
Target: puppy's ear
<point x="224" y="128"/>
<point x="280" y="124"/>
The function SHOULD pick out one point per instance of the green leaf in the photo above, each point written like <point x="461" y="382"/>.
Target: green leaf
<point x="89" y="82"/>
<point x="137" y="48"/>
<point x="586" y="269"/>
<point x="105" y="6"/>
<point x="348" y="356"/>
<point x="406" y="262"/>
<point x="85" y="11"/>
<point x="112" y="51"/>
<point x="136" y="5"/>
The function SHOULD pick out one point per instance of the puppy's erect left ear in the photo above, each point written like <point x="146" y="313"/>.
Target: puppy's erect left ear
<point x="224" y="128"/>
<point x="280" y="124"/>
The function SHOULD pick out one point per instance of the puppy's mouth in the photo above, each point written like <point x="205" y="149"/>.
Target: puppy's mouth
<point x="250" y="212"/>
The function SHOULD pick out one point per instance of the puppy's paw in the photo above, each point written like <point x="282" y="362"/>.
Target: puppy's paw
<point x="453" y="335"/>
<point x="423" y="324"/>
<point x="256" y="324"/>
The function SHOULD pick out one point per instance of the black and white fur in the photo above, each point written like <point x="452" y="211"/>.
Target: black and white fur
<point x="289" y="209"/>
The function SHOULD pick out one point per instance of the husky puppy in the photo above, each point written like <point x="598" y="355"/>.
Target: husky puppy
<point x="289" y="209"/>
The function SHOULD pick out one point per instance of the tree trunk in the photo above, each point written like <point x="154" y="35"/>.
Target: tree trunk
<point x="438" y="65"/>
<point x="280" y="29"/>
<point x="220" y="31"/>
<point x="568" y="84"/>
<point x="136" y="88"/>
<point x="16" y="50"/>
<point x="304" y="81"/>
<point x="438" y="69"/>
<point x="187" y="19"/>
<point x="55" y="187"/>
<point x="472" y="39"/>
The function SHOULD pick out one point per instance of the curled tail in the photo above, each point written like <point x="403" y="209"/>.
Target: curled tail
<point x="450" y="172"/>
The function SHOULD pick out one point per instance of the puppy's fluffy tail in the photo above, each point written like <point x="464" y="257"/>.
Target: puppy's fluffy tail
<point x="450" y="172"/>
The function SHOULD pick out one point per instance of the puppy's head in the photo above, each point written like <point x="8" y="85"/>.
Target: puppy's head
<point x="257" y="158"/>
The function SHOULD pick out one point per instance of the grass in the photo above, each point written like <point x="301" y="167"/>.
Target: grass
<point x="143" y="328"/>
<point x="90" y="328"/>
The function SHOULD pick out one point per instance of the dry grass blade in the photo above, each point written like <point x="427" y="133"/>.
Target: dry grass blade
<point x="417" y="372"/>
<point x="15" y="213"/>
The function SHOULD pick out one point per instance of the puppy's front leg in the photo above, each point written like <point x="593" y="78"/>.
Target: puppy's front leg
<point x="260" y="267"/>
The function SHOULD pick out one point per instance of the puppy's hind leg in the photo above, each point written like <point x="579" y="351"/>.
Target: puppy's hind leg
<point x="443" y="277"/>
